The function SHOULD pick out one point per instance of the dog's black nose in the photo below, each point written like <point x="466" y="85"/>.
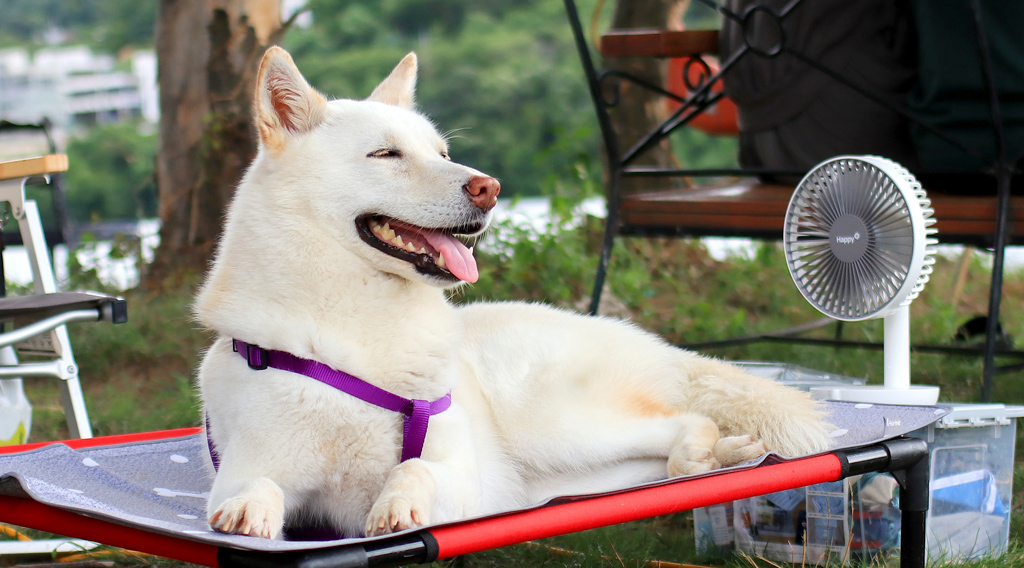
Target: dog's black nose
<point x="483" y="190"/>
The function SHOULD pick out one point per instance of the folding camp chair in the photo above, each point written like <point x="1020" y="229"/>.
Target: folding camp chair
<point x="40" y="321"/>
<point x="41" y="317"/>
<point x="147" y="492"/>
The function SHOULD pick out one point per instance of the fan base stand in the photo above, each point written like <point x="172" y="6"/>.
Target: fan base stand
<point x="914" y="395"/>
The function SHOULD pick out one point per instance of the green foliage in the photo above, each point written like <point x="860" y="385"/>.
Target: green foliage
<point x="553" y="259"/>
<point x="110" y="174"/>
<point x="523" y="262"/>
<point x="109" y="25"/>
<point x="695" y="149"/>
<point x="26" y="20"/>
<point x="82" y="278"/>
<point x="350" y="23"/>
<point x="125" y="23"/>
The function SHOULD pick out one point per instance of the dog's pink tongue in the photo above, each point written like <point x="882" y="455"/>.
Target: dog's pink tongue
<point x="457" y="257"/>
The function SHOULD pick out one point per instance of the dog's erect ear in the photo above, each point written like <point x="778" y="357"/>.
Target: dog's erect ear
<point x="285" y="103"/>
<point x="400" y="86"/>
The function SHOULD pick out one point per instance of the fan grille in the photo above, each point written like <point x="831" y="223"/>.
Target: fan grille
<point x="850" y="237"/>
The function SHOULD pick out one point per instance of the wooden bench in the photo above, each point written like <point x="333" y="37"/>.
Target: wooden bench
<point x="748" y="208"/>
<point x="658" y="43"/>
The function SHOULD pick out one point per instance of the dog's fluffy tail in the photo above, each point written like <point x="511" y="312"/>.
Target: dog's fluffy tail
<point x="788" y="421"/>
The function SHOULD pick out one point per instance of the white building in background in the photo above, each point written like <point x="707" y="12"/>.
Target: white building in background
<point x="144" y="69"/>
<point x="73" y="87"/>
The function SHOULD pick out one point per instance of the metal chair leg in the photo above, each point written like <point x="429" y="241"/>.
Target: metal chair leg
<point x="74" y="408"/>
<point x="611" y="149"/>
<point x="611" y="227"/>
<point x="1003" y="172"/>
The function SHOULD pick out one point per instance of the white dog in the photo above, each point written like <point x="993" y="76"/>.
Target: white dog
<point x="336" y="255"/>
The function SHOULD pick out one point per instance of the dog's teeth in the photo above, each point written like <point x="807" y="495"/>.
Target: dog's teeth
<point x="471" y="249"/>
<point x="410" y="247"/>
<point x="398" y="242"/>
<point x="422" y="251"/>
<point x="440" y="260"/>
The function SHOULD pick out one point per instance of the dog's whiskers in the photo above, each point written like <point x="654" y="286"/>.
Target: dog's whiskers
<point x="450" y="134"/>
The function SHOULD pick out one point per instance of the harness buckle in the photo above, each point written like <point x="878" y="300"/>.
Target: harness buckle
<point x="256" y="356"/>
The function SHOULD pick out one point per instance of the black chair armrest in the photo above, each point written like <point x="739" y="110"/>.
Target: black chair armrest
<point x="37" y="306"/>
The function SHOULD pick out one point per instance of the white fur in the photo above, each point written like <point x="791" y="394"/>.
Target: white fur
<point x="545" y="401"/>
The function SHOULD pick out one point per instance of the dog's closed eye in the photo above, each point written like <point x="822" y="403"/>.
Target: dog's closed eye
<point x="385" y="153"/>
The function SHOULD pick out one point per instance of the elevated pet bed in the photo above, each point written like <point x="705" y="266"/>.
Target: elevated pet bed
<point x="147" y="492"/>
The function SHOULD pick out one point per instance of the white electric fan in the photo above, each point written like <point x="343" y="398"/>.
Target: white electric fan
<point x="858" y="239"/>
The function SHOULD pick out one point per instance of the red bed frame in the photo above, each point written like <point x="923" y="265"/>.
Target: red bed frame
<point x="905" y="458"/>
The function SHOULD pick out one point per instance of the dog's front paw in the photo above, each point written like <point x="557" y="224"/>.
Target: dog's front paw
<point x="239" y="515"/>
<point x="691" y="459"/>
<point x="733" y="450"/>
<point x="405" y="502"/>
<point x="258" y="510"/>
<point x="395" y="514"/>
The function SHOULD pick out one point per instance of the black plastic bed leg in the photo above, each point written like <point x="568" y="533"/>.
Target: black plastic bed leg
<point x="914" y="511"/>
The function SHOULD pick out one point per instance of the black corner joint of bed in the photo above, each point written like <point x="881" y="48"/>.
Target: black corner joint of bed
<point x="907" y="459"/>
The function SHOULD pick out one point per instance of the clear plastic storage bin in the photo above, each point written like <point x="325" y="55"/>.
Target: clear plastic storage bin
<point x="971" y="480"/>
<point x="972" y="451"/>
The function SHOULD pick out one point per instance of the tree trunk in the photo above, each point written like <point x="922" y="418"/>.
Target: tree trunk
<point x="208" y="52"/>
<point x="640" y="111"/>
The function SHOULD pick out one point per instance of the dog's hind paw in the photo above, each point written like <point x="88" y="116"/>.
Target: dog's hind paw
<point x="258" y="511"/>
<point x="690" y="460"/>
<point x="393" y="515"/>
<point x="733" y="450"/>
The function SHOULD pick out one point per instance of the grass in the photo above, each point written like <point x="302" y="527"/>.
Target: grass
<point x="138" y="376"/>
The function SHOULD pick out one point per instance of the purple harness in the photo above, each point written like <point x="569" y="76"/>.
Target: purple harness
<point x="417" y="412"/>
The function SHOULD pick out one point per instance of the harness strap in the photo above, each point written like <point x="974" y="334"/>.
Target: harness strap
<point x="417" y="412"/>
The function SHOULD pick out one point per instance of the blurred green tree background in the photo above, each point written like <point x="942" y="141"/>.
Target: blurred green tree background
<point x="110" y="173"/>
